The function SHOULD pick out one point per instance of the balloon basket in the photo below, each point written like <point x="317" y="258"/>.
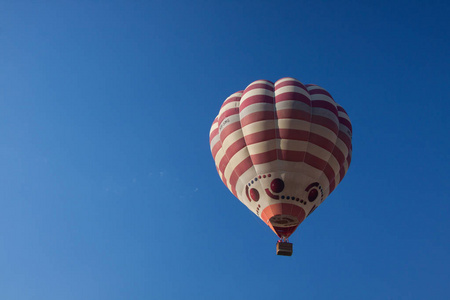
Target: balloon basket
<point x="284" y="248"/>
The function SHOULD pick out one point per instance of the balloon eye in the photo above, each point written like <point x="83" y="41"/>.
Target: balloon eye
<point x="313" y="195"/>
<point x="277" y="185"/>
<point x="254" y="194"/>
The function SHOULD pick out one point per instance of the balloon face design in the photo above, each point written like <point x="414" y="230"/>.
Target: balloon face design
<point x="281" y="149"/>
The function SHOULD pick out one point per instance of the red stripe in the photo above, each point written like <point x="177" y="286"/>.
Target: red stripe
<point x="293" y="134"/>
<point x="322" y="142"/>
<point x="296" y="114"/>
<point x="216" y="149"/>
<point x="233" y="99"/>
<point x="347" y="141"/>
<point x="292" y="96"/>
<point x="325" y="122"/>
<point x="315" y="161"/>
<point x="260" y="136"/>
<point x="235" y="147"/>
<point x="291" y="83"/>
<point x="213" y="134"/>
<point x="329" y="173"/>
<point x="317" y="91"/>
<point x="260" y="85"/>
<point x="345" y="122"/>
<point x="233" y="190"/>
<point x="264" y="157"/>
<point x="319" y="164"/>
<point x="291" y="155"/>
<point x="341" y="109"/>
<point x="227" y="113"/>
<point x="332" y="186"/>
<point x="257" y="116"/>
<point x="325" y="105"/>
<point x="330" y="190"/>
<point x="224" y="180"/>
<point x="229" y="129"/>
<point x="337" y="153"/>
<point x="255" y="99"/>
<point x="223" y="164"/>
<point x="240" y="169"/>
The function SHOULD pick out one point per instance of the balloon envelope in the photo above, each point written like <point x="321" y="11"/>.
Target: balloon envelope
<point x="281" y="149"/>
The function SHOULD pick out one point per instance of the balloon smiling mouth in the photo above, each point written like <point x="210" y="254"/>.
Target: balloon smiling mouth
<point x="276" y="197"/>
<point x="276" y="186"/>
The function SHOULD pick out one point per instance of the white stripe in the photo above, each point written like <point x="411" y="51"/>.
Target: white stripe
<point x="342" y="147"/>
<point x="228" y="121"/>
<point x="262" y="147"/>
<point x="323" y="112"/>
<point x="285" y="79"/>
<point x="258" y="82"/>
<point x="231" y="138"/>
<point x="323" y="132"/>
<point x="214" y="141"/>
<point x="322" y="97"/>
<point x="290" y="89"/>
<point x="293" y="145"/>
<point x="256" y="92"/>
<point x="257" y="107"/>
<point x="231" y="105"/>
<point x="234" y="162"/>
<point x="219" y="156"/>
<point x="295" y="124"/>
<point x="293" y="105"/>
<point x="214" y="125"/>
<point x="258" y="126"/>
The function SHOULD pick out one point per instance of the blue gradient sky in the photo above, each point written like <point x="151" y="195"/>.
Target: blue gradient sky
<point x="107" y="186"/>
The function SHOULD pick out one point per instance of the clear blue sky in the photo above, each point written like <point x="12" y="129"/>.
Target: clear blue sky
<point x="107" y="186"/>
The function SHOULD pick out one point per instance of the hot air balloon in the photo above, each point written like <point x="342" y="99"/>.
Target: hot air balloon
<point x="281" y="149"/>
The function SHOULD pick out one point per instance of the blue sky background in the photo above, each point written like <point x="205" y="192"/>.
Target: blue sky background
<point x="107" y="186"/>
